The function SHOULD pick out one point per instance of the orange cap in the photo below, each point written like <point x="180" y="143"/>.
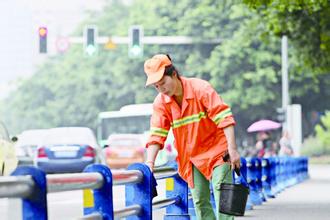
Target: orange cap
<point x="155" y="68"/>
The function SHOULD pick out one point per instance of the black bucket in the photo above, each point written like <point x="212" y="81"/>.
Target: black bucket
<point x="233" y="198"/>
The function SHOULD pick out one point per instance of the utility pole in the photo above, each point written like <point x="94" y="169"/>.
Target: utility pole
<point x="292" y="117"/>
<point x="285" y="81"/>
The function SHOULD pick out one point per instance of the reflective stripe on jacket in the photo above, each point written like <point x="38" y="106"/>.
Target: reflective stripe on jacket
<point x="197" y="127"/>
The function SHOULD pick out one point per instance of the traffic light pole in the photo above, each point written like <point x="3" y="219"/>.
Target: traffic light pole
<point x="149" y="40"/>
<point x="91" y="40"/>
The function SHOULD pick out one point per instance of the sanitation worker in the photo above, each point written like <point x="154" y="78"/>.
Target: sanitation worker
<point x="203" y="129"/>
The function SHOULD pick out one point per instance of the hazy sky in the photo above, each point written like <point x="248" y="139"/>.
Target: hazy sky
<point x="20" y="19"/>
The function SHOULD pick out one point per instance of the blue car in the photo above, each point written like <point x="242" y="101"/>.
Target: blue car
<point x="68" y="149"/>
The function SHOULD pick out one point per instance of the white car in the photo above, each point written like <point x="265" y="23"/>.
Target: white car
<point x="27" y="144"/>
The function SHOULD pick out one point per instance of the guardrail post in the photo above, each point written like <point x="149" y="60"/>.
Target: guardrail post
<point x="177" y="188"/>
<point x="292" y="171"/>
<point x="305" y="167"/>
<point x="277" y="172"/>
<point x="35" y="206"/>
<point x="280" y="174"/>
<point x="103" y="201"/>
<point x="273" y="177"/>
<point x="242" y="179"/>
<point x="287" y="172"/>
<point x="140" y="193"/>
<point x="258" y="166"/>
<point x="252" y="181"/>
<point x="266" y="178"/>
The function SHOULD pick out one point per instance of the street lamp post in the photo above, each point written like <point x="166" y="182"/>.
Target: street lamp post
<point x="285" y="81"/>
<point x="292" y="117"/>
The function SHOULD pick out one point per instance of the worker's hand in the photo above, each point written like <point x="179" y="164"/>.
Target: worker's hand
<point x="235" y="160"/>
<point x="151" y="165"/>
<point x="234" y="157"/>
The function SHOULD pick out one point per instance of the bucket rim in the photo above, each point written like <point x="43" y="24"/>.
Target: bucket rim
<point x="233" y="186"/>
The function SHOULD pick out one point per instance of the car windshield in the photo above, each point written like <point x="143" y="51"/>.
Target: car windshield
<point x="125" y="143"/>
<point x="129" y="124"/>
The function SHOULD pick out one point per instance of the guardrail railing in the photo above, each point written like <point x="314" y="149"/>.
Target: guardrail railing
<point x="266" y="177"/>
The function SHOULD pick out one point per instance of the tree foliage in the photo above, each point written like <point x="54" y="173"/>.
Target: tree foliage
<point x="306" y="23"/>
<point x="323" y="132"/>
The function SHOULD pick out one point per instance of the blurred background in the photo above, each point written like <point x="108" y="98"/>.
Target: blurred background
<point x="65" y="63"/>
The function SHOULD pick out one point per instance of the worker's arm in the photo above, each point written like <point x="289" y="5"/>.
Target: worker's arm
<point x="232" y="148"/>
<point x="152" y="152"/>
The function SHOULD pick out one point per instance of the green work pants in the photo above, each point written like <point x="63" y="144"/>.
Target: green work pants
<point x="201" y="193"/>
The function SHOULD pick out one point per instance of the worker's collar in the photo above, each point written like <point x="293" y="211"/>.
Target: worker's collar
<point x="187" y="91"/>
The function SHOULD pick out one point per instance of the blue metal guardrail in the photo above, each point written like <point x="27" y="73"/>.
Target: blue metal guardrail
<point x="266" y="178"/>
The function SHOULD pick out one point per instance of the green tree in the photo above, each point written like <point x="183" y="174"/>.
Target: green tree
<point x="306" y="23"/>
<point x="323" y="132"/>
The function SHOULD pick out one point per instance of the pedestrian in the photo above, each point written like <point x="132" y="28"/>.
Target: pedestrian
<point x="285" y="144"/>
<point x="203" y="129"/>
<point x="265" y="145"/>
<point x="260" y="148"/>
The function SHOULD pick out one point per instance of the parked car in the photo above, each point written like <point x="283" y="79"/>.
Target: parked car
<point x="125" y="149"/>
<point x="27" y="144"/>
<point x="68" y="149"/>
<point x="8" y="160"/>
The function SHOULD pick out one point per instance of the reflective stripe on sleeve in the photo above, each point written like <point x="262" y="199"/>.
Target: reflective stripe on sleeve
<point x="222" y="115"/>
<point x="188" y="120"/>
<point x="158" y="131"/>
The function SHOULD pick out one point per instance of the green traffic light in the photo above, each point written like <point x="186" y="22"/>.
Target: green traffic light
<point x="90" y="50"/>
<point x="136" y="50"/>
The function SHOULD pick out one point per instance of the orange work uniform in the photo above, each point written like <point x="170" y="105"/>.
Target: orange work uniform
<point x="197" y="127"/>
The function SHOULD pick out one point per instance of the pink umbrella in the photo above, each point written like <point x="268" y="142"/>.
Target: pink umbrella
<point x="263" y="125"/>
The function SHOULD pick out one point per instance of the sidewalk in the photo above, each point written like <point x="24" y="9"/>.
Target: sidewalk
<point x="309" y="200"/>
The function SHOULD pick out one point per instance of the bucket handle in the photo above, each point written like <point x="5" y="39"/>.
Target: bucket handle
<point x="237" y="170"/>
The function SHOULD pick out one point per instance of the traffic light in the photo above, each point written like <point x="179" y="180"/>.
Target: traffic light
<point x="90" y="37"/>
<point x="281" y="115"/>
<point x="135" y="43"/>
<point x="42" y="39"/>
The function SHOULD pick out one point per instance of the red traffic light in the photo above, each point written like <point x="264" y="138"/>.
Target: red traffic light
<point x="43" y="31"/>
